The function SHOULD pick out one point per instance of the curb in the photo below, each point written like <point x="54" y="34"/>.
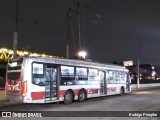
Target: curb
<point x="145" y="88"/>
<point x="5" y="103"/>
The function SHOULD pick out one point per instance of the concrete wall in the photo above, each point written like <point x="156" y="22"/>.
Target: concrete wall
<point x="134" y="86"/>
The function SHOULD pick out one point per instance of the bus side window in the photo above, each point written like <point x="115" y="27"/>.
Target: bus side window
<point x="93" y="74"/>
<point x="110" y="77"/>
<point x="81" y="73"/>
<point x="116" y="77"/>
<point x="121" y="77"/>
<point x="67" y="73"/>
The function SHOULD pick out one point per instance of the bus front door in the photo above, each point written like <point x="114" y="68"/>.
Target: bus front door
<point x="51" y="83"/>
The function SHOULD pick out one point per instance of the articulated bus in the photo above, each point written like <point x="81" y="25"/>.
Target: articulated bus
<point x="45" y="80"/>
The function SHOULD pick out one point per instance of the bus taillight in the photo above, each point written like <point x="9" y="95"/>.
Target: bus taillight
<point x="24" y="88"/>
<point x="5" y="92"/>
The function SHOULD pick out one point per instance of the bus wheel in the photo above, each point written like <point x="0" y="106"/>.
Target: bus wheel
<point x="82" y="95"/>
<point x="68" y="97"/>
<point x="121" y="91"/>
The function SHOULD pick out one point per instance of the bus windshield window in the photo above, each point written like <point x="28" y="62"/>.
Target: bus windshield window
<point x="13" y="75"/>
<point x="38" y="74"/>
<point x="37" y="70"/>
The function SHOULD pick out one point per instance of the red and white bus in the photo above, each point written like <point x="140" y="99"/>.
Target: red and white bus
<point x="44" y="80"/>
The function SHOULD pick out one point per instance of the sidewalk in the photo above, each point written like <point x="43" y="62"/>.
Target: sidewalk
<point x="145" y="88"/>
<point x="4" y="102"/>
<point x="2" y="95"/>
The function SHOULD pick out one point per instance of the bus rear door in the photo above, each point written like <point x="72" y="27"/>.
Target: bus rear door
<point x="102" y="83"/>
<point x="51" y="86"/>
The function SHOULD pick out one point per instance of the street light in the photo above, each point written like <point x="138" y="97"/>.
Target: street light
<point x="82" y="54"/>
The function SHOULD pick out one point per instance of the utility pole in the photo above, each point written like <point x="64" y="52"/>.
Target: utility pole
<point x="79" y="26"/>
<point x="73" y="37"/>
<point x="67" y="41"/>
<point x="15" y="35"/>
<point x="138" y="72"/>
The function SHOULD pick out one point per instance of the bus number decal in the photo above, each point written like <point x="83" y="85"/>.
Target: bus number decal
<point x="68" y="83"/>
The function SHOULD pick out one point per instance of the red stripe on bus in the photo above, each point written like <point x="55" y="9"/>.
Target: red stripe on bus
<point x="37" y="95"/>
<point x="111" y="89"/>
<point x="62" y="92"/>
<point x="92" y="91"/>
<point x="76" y="91"/>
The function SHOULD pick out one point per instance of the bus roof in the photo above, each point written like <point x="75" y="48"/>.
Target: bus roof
<point x="76" y="62"/>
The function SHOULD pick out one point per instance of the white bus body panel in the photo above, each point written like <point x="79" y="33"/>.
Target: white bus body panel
<point x="33" y="89"/>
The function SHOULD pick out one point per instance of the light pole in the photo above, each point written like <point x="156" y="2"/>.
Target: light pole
<point x="67" y="41"/>
<point x="79" y="25"/>
<point x="138" y="62"/>
<point x="15" y="35"/>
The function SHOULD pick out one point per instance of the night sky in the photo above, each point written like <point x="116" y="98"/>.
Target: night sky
<point x="111" y="30"/>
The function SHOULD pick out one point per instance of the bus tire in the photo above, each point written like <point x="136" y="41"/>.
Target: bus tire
<point x="122" y="91"/>
<point x="82" y="95"/>
<point x="68" y="97"/>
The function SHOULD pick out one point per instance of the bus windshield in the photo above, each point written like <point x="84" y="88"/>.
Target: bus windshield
<point x="13" y="75"/>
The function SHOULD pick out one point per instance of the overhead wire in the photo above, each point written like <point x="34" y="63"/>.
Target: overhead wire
<point x="39" y="23"/>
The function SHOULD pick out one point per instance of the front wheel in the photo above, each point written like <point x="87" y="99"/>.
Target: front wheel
<point x="68" y="98"/>
<point x="121" y="91"/>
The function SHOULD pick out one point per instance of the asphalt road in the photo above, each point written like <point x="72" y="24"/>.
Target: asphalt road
<point x="141" y="100"/>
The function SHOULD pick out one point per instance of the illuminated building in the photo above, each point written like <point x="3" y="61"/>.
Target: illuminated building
<point x="7" y="54"/>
